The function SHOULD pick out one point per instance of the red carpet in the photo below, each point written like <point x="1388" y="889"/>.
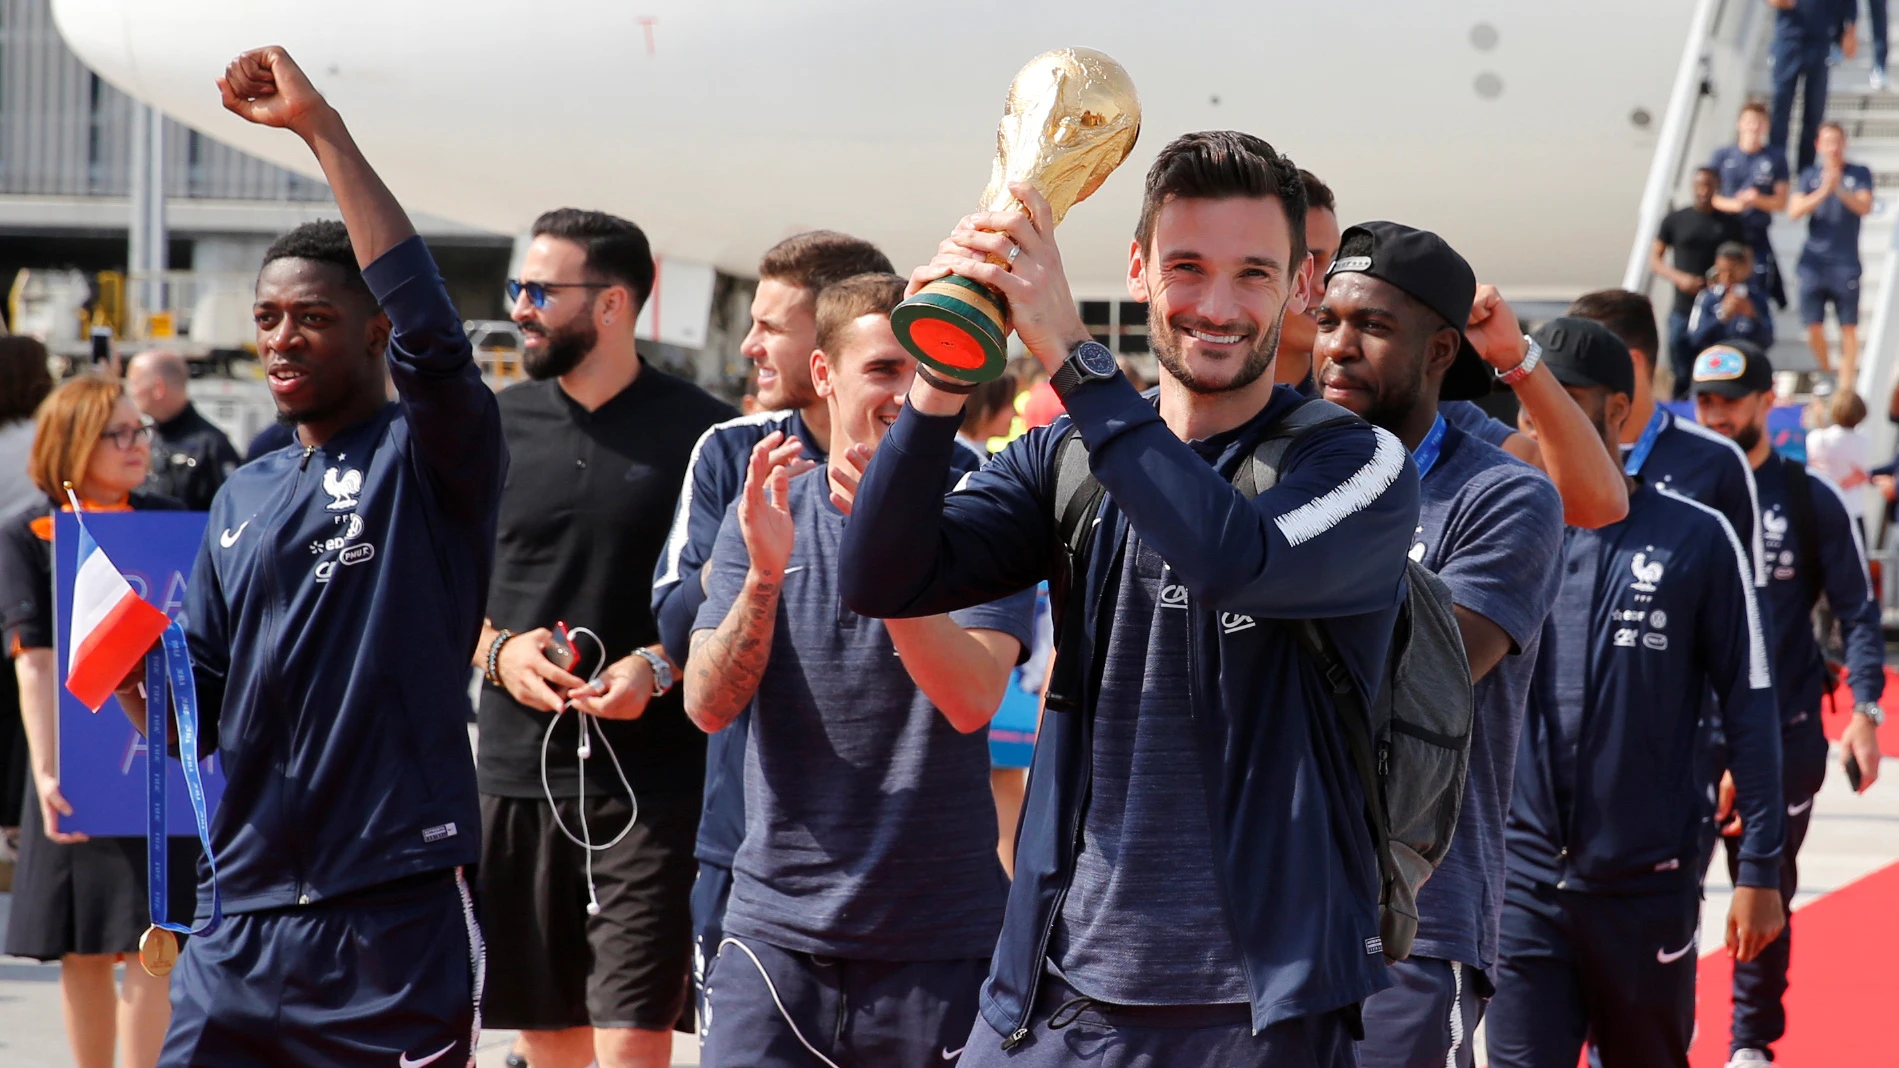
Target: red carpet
<point x="1843" y="989"/>
<point x="1834" y="714"/>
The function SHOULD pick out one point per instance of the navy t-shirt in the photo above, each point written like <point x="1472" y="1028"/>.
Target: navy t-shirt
<point x="1762" y="170"/>
<point x="1143" y="922"/>
<point x="1476" y="422"/>
<point x="1490" y="526"/>
<point x="1832" y="230"/>
<point x="870" y="829"/>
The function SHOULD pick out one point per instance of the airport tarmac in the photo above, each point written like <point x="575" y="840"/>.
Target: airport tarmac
<point x="1851" y="838"/>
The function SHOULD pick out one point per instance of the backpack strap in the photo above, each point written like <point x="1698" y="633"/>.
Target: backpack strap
<point x="1260" y="470"/>
<point x="1805" y="522"/>
<point x="1078" y="496"/>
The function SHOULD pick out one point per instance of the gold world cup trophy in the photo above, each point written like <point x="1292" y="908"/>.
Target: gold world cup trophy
<point x="1072" y="118"/>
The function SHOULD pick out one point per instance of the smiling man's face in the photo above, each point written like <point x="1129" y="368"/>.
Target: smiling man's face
<point x="864" y="381"/>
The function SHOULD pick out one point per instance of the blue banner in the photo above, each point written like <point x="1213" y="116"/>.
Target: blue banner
<point x="102" y="757"/>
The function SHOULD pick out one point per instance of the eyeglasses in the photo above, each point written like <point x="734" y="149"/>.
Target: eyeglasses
<point x="127" y="436"/>
<point x="537" y="291"/>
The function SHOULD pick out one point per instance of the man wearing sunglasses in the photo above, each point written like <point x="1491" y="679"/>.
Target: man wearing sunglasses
<point x="593" y="962"/>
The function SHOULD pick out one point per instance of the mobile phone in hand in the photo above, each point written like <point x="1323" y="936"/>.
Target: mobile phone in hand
<point x="560" y="649"/>
<point x="1852" y="772"/>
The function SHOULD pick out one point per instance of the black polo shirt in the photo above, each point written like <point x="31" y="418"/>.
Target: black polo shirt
<point x="1694" y="235"/>
<point x="584" y="516"/>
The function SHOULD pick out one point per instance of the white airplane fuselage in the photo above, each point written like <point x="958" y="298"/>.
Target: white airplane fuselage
<point x="1521" y="132"/>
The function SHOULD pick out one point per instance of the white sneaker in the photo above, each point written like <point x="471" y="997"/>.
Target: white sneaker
<point x="1878" y="80"/>
<point x="1748" y="1056"/>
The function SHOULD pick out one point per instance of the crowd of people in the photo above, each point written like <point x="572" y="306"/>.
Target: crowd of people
<point x="736" y="670"/>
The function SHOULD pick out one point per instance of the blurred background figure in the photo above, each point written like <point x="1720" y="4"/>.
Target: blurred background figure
<point x="190" y="457"/>
<point x="24" y="382"/>
<point x="77" y="900"/>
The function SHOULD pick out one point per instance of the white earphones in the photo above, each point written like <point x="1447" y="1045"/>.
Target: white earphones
<point x="584" y="751"/>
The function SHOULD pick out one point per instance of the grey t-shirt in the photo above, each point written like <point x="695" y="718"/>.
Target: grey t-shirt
<point x="1144" y="922"/>
<point x="1491" y="527"/>
<point x="870" y="829"/>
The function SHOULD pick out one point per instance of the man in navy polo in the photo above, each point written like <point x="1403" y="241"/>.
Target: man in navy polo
<point x="1491" y="527"/>
<point x="1602" y="905"/>
<point x="1804" y="33"/>
<point x="1814" y="550"/>
<point x="1833" y="196"/>
<point x="867" y="892"/>
<point x="1754" y="178"/>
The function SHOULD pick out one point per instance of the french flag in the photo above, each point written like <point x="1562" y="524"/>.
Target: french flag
<point x="113" y="627"/>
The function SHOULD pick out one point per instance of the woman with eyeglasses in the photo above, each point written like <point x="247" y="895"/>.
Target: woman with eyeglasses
<point x="77" y="900"/>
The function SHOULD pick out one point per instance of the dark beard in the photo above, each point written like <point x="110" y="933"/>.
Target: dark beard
<point x="565" y="349"/>
<point x="1259" y="360"/>
<point x="1747" y="437"/>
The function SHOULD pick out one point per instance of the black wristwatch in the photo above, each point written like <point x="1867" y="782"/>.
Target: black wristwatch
<point x="1091" y="361"/>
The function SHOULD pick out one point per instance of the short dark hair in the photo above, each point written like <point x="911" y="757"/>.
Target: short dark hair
<point x="24" y="378"/>
<point x="819" y="258"/>
<point x="1709" y="171"/>
<point x="841" y="304"/>
<point x="1318" y="194"/>
<point x="1629" y="316"/>
<point x="1732" y="250"/>
<point x="1754" y="106"/>
<point x="1216" y="164"/>
<point x="321" y="241"/>
<point x="617" y="250"/>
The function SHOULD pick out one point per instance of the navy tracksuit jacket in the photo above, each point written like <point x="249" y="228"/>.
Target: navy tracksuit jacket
<point x="1294" y="858"/>
<point x="332" y="614"/>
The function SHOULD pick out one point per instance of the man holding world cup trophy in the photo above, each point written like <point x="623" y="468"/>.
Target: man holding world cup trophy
<point x="1195" y="879"/>
<point x="330" y="616"/>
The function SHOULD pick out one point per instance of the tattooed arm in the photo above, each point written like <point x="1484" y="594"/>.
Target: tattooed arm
<point x="723" y="671"/>
<point x="726" y="661"/>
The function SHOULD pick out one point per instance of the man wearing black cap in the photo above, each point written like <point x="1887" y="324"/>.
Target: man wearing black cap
<point x="1667" y="451"/>
<point x="1491" y="527"/>
<point x="1813" y="548"/>
<point x="1602" y="901"/>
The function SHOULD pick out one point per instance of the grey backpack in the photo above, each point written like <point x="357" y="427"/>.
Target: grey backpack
<point x="1410" y="749"/>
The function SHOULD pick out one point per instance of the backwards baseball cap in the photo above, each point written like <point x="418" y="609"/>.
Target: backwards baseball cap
<point x="1584" y="353"/>
<point x="1733" y="369"/>
<point x="1432" y="273"/>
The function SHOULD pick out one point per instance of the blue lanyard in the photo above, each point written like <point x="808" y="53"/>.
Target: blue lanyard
<point x="1425" y="455"/>
<point x="1645" y="444"/>
<point x="172" y="664"/>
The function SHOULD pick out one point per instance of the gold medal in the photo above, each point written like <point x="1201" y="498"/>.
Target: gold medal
<point x="158" y="951"/>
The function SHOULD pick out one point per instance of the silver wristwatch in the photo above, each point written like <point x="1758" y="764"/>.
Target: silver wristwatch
<point x="1532" y="355"/>
<point x="1871" y="711"/>
<point x="662" y="671"/>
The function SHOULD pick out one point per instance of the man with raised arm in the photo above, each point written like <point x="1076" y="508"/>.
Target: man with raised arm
<point x="331" y="616"/>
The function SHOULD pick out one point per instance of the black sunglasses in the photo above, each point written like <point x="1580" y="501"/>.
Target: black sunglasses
<point x="537" y="291"/>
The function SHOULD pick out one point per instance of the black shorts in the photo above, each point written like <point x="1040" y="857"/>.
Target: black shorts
<point x="550" y="965"/>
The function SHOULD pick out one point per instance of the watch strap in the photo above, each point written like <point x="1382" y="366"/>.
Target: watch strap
<point x="1532" y="357"/>
<point x="1071" y="373"/>
<point x="946" y="385"/>
<point x="1872" y="711"/>
<point x="662" y="671"/>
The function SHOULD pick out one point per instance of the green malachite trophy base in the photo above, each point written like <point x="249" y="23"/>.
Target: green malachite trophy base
<point x="956" y="327"/>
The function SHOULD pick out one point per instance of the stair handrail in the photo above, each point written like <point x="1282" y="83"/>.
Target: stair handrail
<point x="1671" y="148"/>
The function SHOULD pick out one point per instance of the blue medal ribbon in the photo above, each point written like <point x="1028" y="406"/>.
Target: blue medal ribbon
<point x="1645" y="444"/>
<point x="1425" y="455"/>
<point x="168" y="678"/>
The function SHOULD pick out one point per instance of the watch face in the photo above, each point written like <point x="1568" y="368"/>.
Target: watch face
<point x="1096" y="359"/>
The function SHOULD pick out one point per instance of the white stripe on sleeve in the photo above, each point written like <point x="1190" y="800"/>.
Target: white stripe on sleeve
<point x="1758" y="677"/>
<point x="1366" y="485"/>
